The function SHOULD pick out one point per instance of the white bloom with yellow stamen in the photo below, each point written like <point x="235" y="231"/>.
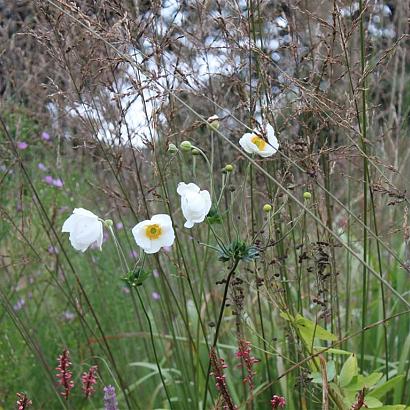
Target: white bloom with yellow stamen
<point x="85" y="229"/>
<point x="195" y="203"/>
<point x="153" y="234"/>
<point x="254" y="143"/>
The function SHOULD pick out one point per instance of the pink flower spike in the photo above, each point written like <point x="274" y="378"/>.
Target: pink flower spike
<point x="64" y="374"/>
<point x="278" y="401"/>
<point x="23" y="403"/>
<point x="22" y="145"/>
<point x="89" y="379"/>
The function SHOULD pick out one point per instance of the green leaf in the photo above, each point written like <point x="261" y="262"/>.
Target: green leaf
<point x="330" y="370"/>
<point x="359" y="382"/>
<point x="393" y="407"/>
<point x="308" y="329"/>
<point x="381" y="390"/>
<point x="372" y="402"/>
<point x="349" y="370"/>
<point x="136" y="277"/>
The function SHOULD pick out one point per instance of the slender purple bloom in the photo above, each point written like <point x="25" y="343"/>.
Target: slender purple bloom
<point x="110" y="398"/>
<point x="58" y="183"/>
<point x="41" y="167"/>
<point x="22" y="145"/>
<point x="155" y="296"/>
<point x="19" y="305"/>
<point x="119" y="225"/>
<point x="45" y="136"/>
<point x="48" y="179"/>
<point x="52" y="250"/>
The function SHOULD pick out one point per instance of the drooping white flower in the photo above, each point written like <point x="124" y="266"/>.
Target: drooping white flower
<point x="85" y="229"/>
<point x="195" y="203"/>
<point x="153" y="234"/>
<point x="254" y="143"/>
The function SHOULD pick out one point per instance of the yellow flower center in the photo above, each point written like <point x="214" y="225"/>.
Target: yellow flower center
<point x="153" y="231"/>
<point x="259" y="142"/>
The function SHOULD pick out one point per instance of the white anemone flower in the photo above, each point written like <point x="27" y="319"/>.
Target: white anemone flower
<point x="153" y="234"/>
<point x="195" y="203"/>
<point x="85" y="229"/>
<point x="255" y="143"/>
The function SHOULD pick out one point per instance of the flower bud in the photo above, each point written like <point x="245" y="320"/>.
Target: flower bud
<point x="307" y="195"/>
<point x="108" y="223"/>
<point x="186" y="146"/>
<point x="195" y="152"/>
<point x="213" y="122"/>
<point x="172" y="148"/>
<point x="228" y="168"/>
<point x="267" y="208"/>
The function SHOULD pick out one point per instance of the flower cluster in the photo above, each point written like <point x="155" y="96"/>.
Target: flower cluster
<point x="64" y="374"/>
<point x="23" y="402"/>
<point x="244" y="353"/>
<point x="88" y="380"/>
<point x="278" y="401"/>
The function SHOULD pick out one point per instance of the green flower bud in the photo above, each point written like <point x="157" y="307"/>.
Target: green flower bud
<point x="228" y="168"/>
<point x="213" y="122"/>
<point x="307" y="195"/>
<point x="108" y="223"/>
<point x="186" y="146"/>
<point x="172" y="148"/>
<point x="195" y="152"/>
<point x="267" y="208"/>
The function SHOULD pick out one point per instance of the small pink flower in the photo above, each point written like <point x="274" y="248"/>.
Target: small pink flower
<point x="22" y="145"/>
<point x="133" y="254"/>
<point x="45" y="136"/>
<point x="167" y="249"/>
<point x="48" y="179"/>
<point x="278" y="401"/>
<point x="155" y="273"/>
<point x="119" y="226"/>
<point x="52" y="250"/>
<point x="41" y="167"/>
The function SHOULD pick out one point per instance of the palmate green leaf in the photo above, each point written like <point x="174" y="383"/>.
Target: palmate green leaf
<point x="381" y="390"/>
<point x="308" y="329"/>
<point x="349" y="370"/>
<point x="359" y="382"/>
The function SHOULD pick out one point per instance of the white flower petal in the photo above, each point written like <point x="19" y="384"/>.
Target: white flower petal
<point x="184" y="188"/>
<point x="162" y="219"/>
<point x="85" y="229"/>
<point x="84" y="212"/>
<point x="246" y="143"/>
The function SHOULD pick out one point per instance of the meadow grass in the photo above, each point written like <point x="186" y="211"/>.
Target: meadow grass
<point x="295" y="286"/>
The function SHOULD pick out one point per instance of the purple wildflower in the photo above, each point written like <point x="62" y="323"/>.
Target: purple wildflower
<point x="45" y="136"/>
<point x="52" y="250"/>
<point x="68" y="316"/>
<point x="41" y="167"/>
<point x="48" y="179"/>
<point x="119" y="225"/>
<point x="58" y="183"/>
<point x="23" y="402"/>
<point x="133" y="254"/>
<point x="167" y="249"/>
<point x="64" y="375"/>
<point x="19" y="305"/>
<point x="155" y="296"/>
<point x="89" y="379"/>
<point x="155" y="273"/>
<point x="22" y="145"/>
<point x="110" y="398"/>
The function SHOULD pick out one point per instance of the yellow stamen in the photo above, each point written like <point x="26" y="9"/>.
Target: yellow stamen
<point x="259" y="142"/>
<point x="153" y="231"/>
